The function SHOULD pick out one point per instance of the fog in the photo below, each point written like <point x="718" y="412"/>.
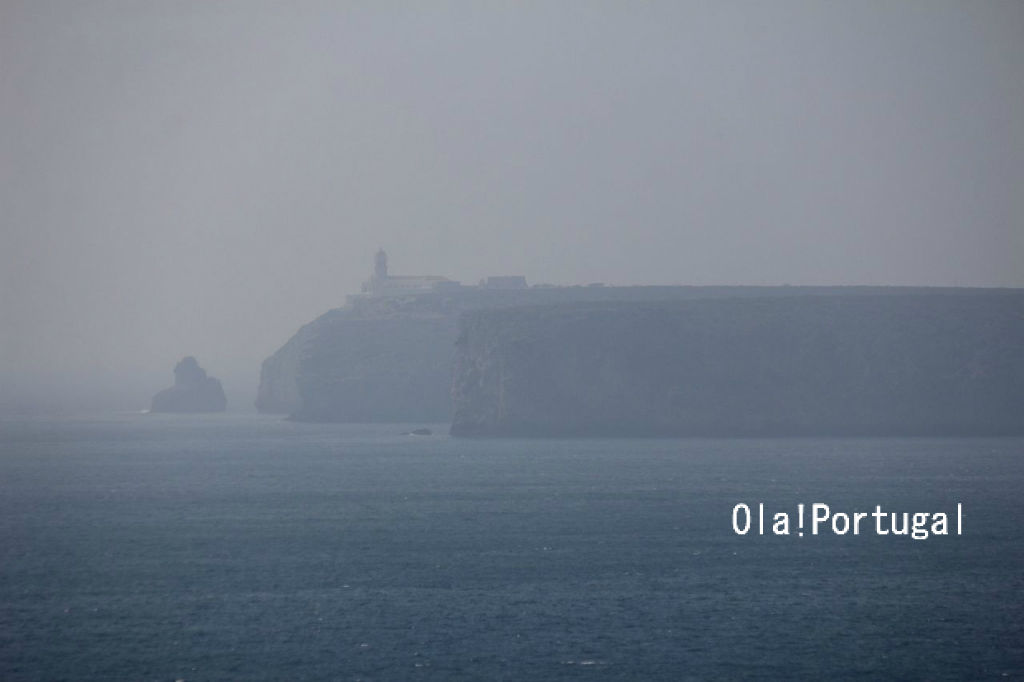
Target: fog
<point x="196" y="178"/>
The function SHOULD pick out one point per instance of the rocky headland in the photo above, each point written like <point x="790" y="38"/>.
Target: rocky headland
<point x="389" y="359"/>
<point x="941" y="362"/>
<point x="766" y="353"/>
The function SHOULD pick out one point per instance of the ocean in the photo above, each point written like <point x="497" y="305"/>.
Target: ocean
<point x="243" y="547"/>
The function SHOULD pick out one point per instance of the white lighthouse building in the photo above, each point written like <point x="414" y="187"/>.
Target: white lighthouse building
<point x="382" y="284"/>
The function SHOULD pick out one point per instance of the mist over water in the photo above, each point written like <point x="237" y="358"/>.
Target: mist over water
<point x="203" y="178"/>
<point x="245" y="547"/>
<point x="184" y="185"/>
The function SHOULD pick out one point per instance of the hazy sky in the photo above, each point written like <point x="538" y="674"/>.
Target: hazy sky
<point x="204" y="177"/>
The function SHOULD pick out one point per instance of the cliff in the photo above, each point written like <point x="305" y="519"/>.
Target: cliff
<point x="193" y="391"/>
<point x="279" y="392"/>
<point x="364" y="364"/>
<point x="389" y="359"/>
<point x="360" y="369"/>
<point x="908" y="362"/>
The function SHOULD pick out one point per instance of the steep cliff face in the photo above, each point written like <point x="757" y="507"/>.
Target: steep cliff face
<point x="389" y="359"/>
<point x="941" y="363"/>
<point x="388" y="369"/>
<point x="279" y="386"/>
<point x="364" y="364"/>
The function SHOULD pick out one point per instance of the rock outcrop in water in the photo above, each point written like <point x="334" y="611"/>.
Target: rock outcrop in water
<point x="193" y="391"/>
<point x="949" y="363"/>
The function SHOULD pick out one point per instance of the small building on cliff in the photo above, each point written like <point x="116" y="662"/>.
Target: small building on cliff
<point x="382" y="284"/>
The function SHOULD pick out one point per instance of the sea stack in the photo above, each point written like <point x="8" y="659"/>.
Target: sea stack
<point x="193" y="391"/>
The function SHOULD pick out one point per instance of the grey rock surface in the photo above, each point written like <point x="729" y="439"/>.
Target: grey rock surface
<point x="193" y="391"/>
<point x="941" y="364"/>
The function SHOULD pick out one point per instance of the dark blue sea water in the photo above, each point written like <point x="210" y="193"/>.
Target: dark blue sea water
<point x="215" y="548"/>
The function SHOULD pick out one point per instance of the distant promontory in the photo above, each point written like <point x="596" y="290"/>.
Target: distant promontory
<point x="503" y="358"/>
<point x="193" y="391"/>
<point x="944" y="363"/>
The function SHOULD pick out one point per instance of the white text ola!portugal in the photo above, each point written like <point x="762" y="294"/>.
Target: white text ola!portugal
<point x="917" y="525"/>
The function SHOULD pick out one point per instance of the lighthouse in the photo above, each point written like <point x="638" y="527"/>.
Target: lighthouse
<point x="381" y="284"/>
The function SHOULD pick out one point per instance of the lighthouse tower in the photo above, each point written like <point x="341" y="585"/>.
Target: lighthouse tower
<point x="380" y="265"/>
<point x="382" y="284"/>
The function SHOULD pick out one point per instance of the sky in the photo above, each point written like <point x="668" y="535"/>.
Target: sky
<point x="202" y="178"/>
